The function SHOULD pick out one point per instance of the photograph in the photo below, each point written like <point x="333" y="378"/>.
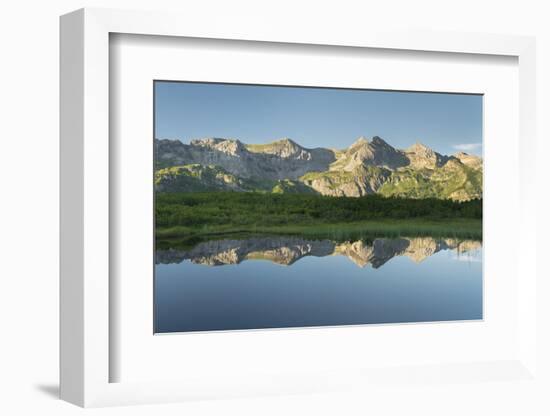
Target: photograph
<point x="301" y="206"/>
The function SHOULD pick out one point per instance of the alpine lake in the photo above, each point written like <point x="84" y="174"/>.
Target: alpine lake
<point x="257" y="281"/>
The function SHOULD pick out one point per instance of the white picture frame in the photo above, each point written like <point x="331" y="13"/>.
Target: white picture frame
<point x="85" y="208"/>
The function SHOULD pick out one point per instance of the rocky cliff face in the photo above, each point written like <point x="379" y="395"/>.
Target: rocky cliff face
<point x="422" y="157"/>
<point x="375" y="152"/>
<point x="199" y="178"/>
<point x="366" y="167"/>
<point x="469" y="160"/>
<point x="363" y="180"/>
<point x="283" y="159"/>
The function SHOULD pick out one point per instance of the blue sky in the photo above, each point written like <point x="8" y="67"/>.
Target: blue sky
<point x="318" y="117"/>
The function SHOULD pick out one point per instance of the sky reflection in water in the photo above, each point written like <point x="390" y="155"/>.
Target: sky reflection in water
<point x="280" y="282"/>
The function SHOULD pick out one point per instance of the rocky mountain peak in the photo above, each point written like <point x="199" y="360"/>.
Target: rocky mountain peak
<point x="361" y="141"/>
<point x="374" y="152"/>
<point x="469" y="160"/>
<point x="376" y="140"/>
<point x="286" y="147"/>
<point x="207" y="141"/>
<point x="287" y="141"/>
<point x="229" y="146"/>
<point x="420" y="148"/>
<point x="421" y="156"/>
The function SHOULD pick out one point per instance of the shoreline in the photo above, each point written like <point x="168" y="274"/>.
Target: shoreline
<point x="448" y="228"/>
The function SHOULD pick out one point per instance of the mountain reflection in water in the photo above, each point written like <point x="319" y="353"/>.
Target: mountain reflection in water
<point x="299" y="281"/>
<point x="287" y="250"/>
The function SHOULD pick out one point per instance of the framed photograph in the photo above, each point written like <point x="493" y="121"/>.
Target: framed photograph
<point x="277" y="213"/>
<point x="367" y="232"/>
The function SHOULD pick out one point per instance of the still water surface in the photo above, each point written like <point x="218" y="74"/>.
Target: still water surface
<point x="279" y="282"/>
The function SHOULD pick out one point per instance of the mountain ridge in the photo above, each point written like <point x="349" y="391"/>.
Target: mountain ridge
<point x="365" y="167"/>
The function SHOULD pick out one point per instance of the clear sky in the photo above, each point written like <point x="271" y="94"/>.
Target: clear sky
<point x="317" y="117"/>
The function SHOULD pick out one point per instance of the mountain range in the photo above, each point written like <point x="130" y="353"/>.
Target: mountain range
<point x="368" y="166"/>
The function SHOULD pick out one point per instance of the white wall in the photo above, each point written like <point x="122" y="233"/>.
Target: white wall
<point x="29" y="208"/>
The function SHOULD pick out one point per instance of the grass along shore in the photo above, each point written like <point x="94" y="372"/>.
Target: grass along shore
<point x="461" y="228"/>
<point x="219" y="214"/>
